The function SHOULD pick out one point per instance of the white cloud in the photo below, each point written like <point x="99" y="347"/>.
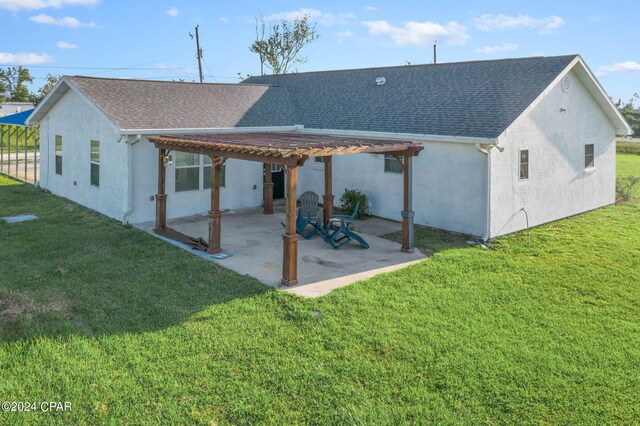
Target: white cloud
<point x="224" y="19"/>
<point x="546" y="25"/>
<point x="420" y="33"/>
<point x="344" y="34"/>
<point x="172" y="11"/>
<point x="314" y="15"/>
<point x="16" y="5"/>
<point x="370" y="8"/>
<point x="629" y="66"/>
<point x="502" y="47"/>
<point x="67" y="21"/>
<point x="25" y="58"/>
<point x="66" y="45"/>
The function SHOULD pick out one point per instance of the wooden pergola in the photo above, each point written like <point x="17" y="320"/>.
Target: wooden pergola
<point x="290" y="151"/>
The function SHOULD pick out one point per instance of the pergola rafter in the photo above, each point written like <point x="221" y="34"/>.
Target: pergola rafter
<point x="290" y="151"/>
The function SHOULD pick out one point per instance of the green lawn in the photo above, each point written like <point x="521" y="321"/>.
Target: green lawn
<point x="629" y="165"/>
<point x="543" y="329"/>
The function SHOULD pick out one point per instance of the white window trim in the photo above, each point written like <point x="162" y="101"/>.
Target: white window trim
<point x="591" y="169"/>
<point x="519" y="164"/>
<point x="93" y="162"/>
<point x="201" y="165"/>
<point x="55" y="155"/>
<point x="384" y="169"/>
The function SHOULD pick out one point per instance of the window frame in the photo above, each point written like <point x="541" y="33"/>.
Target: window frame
<point x="520" y="163"/>
<point x="93" y="163"/>
<point x="592" y="165"/>
<point x="386" y="157"/>
<point x="57" y="155"/>
<point x="223" y="174"/>
<point x="203" y="182"/>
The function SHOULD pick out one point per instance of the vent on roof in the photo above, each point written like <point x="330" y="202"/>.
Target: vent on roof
<point x="565" y="83"/>
<point x="380" y="81"/>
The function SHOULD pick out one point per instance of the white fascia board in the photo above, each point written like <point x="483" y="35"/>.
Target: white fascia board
<point x="44" y="103"/>
<point x="266" y="129"/>
<point x="413" y="137"/>
<point x="541" y="96"/>
<point x="589" y="79"/>
<point x="82" y="96"/>
<point x="593" y="86"/>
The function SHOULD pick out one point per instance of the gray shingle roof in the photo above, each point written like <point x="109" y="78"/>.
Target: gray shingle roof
<point x="478" y="99"/>
<point x="146" y="104"/>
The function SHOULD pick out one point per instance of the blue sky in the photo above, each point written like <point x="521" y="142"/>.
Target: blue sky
<point x="150" y="39"/>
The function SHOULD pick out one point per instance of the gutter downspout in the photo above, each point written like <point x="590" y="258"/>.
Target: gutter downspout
<point x="129" y="198"/>
<point x="487" y="151"/>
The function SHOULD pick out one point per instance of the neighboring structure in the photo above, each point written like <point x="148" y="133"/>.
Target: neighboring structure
<point x="507" y="143"/>
<point x="9" y="108"/>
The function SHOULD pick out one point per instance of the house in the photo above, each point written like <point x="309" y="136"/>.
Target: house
<point x="10" y="108"/>
<point x="507" y="144"/>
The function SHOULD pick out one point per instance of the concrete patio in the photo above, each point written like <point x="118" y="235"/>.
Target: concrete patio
<point x="254" y="241"/>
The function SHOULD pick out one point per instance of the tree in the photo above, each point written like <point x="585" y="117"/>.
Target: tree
<point x="52" y="80"/>
<point x="280" y="48"/>
<point x="631" y="113"/>
<point x="13" y="82"/>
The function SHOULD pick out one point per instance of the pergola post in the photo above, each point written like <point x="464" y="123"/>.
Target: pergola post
<point x="161" y="196"/>
<point x="267" y="190"/>
<point x="328" y="191"/>
<point x="214" y="214"/>
<point x="290" y="237"/>
<point x="407" y="212"/>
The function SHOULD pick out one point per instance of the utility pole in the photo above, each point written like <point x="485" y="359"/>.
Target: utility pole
<point x="434" y="50"/>
<point x="199" y="54"/>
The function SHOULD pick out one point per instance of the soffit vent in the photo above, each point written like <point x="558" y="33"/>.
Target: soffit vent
<point x="565" y="83"/>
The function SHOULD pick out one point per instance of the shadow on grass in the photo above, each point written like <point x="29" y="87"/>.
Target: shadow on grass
<point x="430" y="240"/>
<point x="74" y="271"/>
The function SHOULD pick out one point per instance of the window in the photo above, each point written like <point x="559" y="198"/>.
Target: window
<point x="207" y="169"/>
<point x="58" y="155"/>
<point x="318" y="159"/>
<point x="189" y="168"/>
<point x="392" y="165"/>
<point x="589" y="158"/>
<point x="95" y="162"/>
<point x="275" y="168"/>
<point x="524" y="164"/>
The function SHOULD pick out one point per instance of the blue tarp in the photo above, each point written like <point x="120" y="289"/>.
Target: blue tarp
<point x="17" y="119"/>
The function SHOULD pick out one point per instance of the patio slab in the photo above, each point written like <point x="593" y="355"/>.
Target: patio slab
<point x="255" y="242"/>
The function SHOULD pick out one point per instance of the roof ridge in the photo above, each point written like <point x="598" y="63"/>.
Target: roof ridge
<point x="441" y="64"/>
<point x="164" y="81"/>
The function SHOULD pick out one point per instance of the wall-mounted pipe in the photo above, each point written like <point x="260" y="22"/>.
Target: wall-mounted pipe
<point x="486" y="150"/>
<point x="129" y="198"/>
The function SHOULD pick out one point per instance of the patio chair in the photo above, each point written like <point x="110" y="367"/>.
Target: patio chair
<point x="307" y="214"/>
<point x="337" y="233"/>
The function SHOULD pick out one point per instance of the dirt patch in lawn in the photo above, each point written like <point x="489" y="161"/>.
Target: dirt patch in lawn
<point x="13" y="305"/>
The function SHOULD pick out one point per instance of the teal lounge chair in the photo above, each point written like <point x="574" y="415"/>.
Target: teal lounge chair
<point x="337" y="232"/>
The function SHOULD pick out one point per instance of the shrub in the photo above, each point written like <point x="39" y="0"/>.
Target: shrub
<point x="628" y="148"/>
<point x="351" y="197"/>
<point x="626" y="187"/>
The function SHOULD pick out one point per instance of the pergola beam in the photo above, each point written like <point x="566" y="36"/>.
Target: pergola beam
<point x="215" y="214"/>
<point x="161" y="196"/>
<point x="290" y="237"/>
<point x="407" y="212"/>
<point x="327" y="198"/>
<point x="267" y="190"/>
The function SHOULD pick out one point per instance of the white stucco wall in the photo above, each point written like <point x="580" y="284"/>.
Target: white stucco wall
<point x="78" y="123"/>
<point x="558" y="185"/>
<point x="449" y="185"/>
<point x="238" y="193"/>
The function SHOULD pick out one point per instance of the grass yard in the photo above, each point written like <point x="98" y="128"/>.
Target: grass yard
<point x="543" y="329"/>
<point x="629" y="165"/>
